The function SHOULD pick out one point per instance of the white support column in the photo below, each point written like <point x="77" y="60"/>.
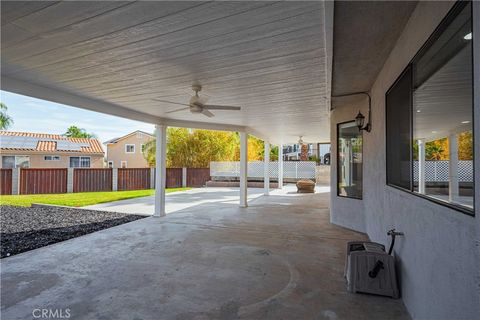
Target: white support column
<point x="16" y="181"/>
<point x="70" y="173"/>
<point x="160" y="169"/>
<point x="266" y="169"/>
<point x="152" y="178"/>
<point x="243" y="168"/>
<point x="184" y="177"/>
<point x="453" y="168"/>
<point x="421" y="166"/>
<point x="115" y="179"/>
<point x="280" y="166"/>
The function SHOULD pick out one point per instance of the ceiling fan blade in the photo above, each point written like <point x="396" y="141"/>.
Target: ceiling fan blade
<point x="207" y="113"/>
<point x="215" y="107"/>
<point x="171" y="102"/>
<point x="181" y="109"/>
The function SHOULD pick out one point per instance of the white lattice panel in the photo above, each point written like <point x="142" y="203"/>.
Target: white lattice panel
<point x="437" y="171"/>
<point x="291" y="169"/>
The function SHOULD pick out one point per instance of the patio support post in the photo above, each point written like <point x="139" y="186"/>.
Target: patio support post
<point x="452" y="168"/>
<point x="243" y="168"/>
<point x="280" y="166"/>
<point x="421" y="166"/>
<point x="266" y="169"/>
<point x="160" y="169"/>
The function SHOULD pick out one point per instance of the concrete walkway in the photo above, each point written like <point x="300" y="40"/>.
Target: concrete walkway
<point x="280" y="258"/>
<point x="176" y="201"/>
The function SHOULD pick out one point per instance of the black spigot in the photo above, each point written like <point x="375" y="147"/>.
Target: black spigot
<point x="392" y="233"/>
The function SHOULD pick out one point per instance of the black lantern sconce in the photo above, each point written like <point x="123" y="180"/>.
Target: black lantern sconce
<point x="360" y="118"/>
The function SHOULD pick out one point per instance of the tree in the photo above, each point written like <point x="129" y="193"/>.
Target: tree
<point x="76" y="132"/>
<point x="465" y="146"/>
<point x="194" y="148"/>
<point x="197" y="148"/>
<point x="5" y="120"/>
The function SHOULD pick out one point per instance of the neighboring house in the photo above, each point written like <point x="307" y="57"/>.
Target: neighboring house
<point x="127" y="151"/>
<point x="43" y="150"/>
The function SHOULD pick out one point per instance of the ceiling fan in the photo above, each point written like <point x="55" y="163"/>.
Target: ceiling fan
<point x="198" y="104"/>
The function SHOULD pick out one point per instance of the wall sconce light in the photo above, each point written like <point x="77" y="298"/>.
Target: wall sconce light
<point x="360" y="118"/>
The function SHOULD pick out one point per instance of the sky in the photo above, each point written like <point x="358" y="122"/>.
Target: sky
<point x="40" y="116"/>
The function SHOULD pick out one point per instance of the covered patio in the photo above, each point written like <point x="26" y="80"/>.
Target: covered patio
<point x="284" y="70"/>
<point x="278" y="258"/>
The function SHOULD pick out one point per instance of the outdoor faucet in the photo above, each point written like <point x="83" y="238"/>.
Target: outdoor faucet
<point x="392" y="233"/>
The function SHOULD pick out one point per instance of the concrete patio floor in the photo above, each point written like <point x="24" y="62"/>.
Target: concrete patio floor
<point x="280" y="258"/>
<point x="176" y="201"/>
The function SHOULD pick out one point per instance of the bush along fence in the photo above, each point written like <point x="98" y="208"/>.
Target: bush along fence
<point x="66" y="180"/>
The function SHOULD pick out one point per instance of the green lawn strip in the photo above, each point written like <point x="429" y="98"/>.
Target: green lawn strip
<point x="77" y="199"/>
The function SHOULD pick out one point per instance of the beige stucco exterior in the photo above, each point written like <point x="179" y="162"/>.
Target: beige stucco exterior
<point x="116" y="151"/>
<point x="37" y="159"/>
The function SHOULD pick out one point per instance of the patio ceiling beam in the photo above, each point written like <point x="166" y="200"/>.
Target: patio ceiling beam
<point x="64" y="97"/>
<point x="78" y="101"/>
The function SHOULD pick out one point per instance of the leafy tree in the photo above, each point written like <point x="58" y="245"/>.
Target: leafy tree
<point x="439" y="149"/>
<point x="194" y="148"/>
<point x="465" y="146"/>
<point x="5" y="120"/>
<point x="76" y="132"/>
<point x="197" y="148"/>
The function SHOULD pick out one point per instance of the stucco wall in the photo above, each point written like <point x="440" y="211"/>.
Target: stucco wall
<point x="437" y="258"/>
<point x="116" y="151"/>
<point x="38" y="161"/>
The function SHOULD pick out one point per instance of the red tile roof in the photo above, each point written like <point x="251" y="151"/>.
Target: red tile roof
<point x="94" y="146"/>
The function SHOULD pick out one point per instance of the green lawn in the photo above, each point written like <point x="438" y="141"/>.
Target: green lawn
<point x="77" y="199"/>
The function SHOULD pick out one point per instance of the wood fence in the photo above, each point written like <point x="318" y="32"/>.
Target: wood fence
<point x="133" y="179"/>
<point x="91" y="180"/>
<point x="197" y="177"/>
<point x="5" y="181"/>
<point x="38" y="181"/>
<point x="41" y="181"/>
<point x="174" y="177"/>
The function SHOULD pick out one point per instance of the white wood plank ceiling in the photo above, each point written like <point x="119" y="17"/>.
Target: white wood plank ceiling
<point x="270" y="58"/>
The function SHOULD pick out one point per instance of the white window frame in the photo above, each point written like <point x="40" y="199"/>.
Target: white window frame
<point x="52" y="158"/>
<point x="126" y="147"/>
<point x="126" y="164"/>
<point x="110" y="162"/>
<point x="80" y="161"/>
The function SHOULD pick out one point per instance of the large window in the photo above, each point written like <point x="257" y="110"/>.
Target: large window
<point x="79" y="162"/>
<point x="349" y="160"/>
<point x="9" y="162"/>
<point x="429" y="115"/>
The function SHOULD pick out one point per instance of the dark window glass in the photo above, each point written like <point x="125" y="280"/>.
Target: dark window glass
<point x="398" y="114"/>
<point x="74" y="162"/>
<point x="8" y="162"/>
<point x="429" y="117"/>
<point x="442" y="117"/>
<point x="349" y="160"/>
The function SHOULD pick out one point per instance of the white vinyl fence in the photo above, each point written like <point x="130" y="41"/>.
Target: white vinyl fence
<point x="437" y="171"/>
<point x="291" y="169"/>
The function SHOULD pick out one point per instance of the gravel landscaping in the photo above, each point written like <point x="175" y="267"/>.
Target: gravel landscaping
<point x="24" y="228"/>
